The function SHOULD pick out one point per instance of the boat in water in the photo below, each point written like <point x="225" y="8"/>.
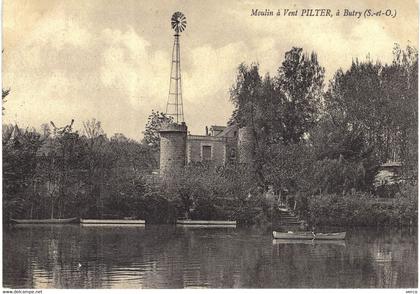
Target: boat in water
<point x="309" y="235"/>
<point x="112" y="222"/>
<point x="45" y="221"/>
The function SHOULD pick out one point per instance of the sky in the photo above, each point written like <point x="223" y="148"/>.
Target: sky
<point x="110" y="60"/>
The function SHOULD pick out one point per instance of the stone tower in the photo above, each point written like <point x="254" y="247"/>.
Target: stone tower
<point x="173" y="147"/>
<point x="246" y="145"/>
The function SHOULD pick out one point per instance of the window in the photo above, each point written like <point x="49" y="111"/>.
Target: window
<point x="206" y="153"/>
<point x="232" y="155"/>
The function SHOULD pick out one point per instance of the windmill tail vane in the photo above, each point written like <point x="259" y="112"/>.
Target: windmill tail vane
<point x="174" y="107"/>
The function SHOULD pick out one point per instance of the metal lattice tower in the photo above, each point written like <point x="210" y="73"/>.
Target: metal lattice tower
<point x="174" y="107"/>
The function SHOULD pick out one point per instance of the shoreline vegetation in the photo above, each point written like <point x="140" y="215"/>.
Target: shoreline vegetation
<point x="320" y="144"/>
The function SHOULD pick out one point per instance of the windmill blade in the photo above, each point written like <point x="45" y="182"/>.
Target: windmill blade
<point x="178" y="22"/>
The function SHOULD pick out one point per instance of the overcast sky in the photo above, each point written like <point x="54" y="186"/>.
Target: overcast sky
<point x="110" y="60"/>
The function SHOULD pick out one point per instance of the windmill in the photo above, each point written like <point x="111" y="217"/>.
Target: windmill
<point x="174" y="107"/>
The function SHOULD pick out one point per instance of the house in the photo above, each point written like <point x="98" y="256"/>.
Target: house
<point x="217" y="147"/>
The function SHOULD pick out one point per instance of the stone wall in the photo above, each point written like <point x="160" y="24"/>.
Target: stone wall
<point x="246" y="145"/>
<point x="195" y="148"/>
<point x="173" y="141"/>
<point x="177" y="148"/>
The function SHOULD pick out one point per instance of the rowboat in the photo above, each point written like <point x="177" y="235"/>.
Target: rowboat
<point x="46" y="221"/>
<point x="309" y="235"/>
<point x="206" y="224"/>
<point x="112" y="222"/>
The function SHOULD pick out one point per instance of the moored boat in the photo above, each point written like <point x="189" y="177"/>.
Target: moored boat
<point x="46" y="221"/>
<point x="112" y="221"/>
<point x="309" y="235"/>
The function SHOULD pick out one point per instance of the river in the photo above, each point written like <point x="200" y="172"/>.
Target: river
<point x="158" y="256"/>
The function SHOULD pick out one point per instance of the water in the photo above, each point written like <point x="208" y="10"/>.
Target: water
<point x="71" y="256"/>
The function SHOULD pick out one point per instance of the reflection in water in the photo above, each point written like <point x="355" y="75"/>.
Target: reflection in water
<point x="72" y="256"/>
<point x="309" y="242"/>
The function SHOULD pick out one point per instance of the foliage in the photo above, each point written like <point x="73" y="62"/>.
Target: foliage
<point x="337" y="176"/>
<point x="300" y="81"/>
<point x="19" y="163"/>
<point x="289" y="166"/>
<point x="360" y="209"/>
<point x="379" y="101"/>
<point x="324" y="148"/>
<point x="62" y="174"/>
<point x="202" y="192"/>
<point x="154" y="123"/>
<point x="245" y="95"/>
<point x="368" y="116"/>
<point x="4" y="93"/>
<point x="280" y="110"/>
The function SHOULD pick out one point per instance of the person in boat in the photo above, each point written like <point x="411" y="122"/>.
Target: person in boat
<point x="313" y="231"/>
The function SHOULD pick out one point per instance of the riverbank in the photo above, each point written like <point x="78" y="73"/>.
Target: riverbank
<point x="359" y="209"/>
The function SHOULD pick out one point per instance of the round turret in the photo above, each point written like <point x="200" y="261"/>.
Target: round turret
<point x="246" y="145"/>
<point x="173" y="146"/>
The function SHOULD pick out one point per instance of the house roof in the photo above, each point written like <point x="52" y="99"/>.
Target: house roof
<point x="228" y="131"/>
<point x="217" y="128"/>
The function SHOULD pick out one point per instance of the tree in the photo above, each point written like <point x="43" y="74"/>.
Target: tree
<point x="20" y="149"/>
<point x="4" y="93"/>
<point x="300" y="83"/>
<point x="96" y="143"/>
<point x="277" y="110"/>
<point x="289" y="166"/>
<point x="380" y="102"/>
<point x="249" y="101"/>
<point x="93" y="129"/>
<point x="355" y="101"/>
<point x="60" y="169"/>
<point x="245" y="95"/>
<point x="119" y="137"/>
<point x="154" y="123"/>
<point x="400" y="83"/>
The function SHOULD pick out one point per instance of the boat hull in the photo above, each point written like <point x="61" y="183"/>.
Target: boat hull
<point x="206" y="224"/>
<point x="309" y="236"/>
<point x="112" y="222"/>
<point x="45" y="221"/>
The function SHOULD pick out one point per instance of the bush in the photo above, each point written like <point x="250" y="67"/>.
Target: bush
<point x="360" y="209"/>
<point x="205" y="193"/>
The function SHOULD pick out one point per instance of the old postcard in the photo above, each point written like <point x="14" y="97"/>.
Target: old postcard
<point x="209" y="144"/>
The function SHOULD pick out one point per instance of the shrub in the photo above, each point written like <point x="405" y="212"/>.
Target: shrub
<point x="360" y="209"/>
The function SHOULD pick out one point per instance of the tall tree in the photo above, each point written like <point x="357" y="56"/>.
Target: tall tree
<point x="379" y="101"/>
<point x="280" y="109"/>
<point x="300" y="82"/>
<point x="400" y="83"/>
<point x="245" y="95"/>
<point x="248" y="99"/>
<point x="20" y="149"/>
